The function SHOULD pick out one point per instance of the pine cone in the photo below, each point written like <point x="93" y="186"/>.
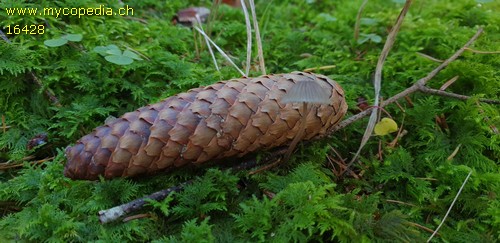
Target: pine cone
<point x="226" y="119"/>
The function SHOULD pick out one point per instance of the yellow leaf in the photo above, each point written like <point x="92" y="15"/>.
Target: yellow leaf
<point x="385" y="126"/>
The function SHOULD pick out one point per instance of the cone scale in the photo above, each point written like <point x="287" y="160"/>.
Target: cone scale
<point x="227" y="119"/>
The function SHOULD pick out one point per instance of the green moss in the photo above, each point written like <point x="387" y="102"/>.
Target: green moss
<point x="412" y="185"/>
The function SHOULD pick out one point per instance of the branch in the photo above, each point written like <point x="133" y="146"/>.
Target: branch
<point x="115" y="213"/>
<point x="451" y="206"/>
<point x="482" y="52"/>
<point x="112" y="214"/>
<point x="423" y="81"/>
<point x="415" y="87"/>
<point x="377" y="82"/>
<point x="260" y="52"/>
<point x="249" y="37"/>
<point x="219" y="49"/>
<point x="358" y="20"/>
<point x="427" y="90"/>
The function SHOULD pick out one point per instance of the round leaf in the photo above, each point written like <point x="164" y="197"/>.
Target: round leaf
<point x="119" y="59"/>
<point x="132" y="55"/>
<point x="55" y="42"/>
<point x="115" y="52"/>
<point x="385" y="126"/>
<point x="375" y="38"/>
<point x="73" y="37"/>
<point x="112" y="47"/>
<point x="101" y="50"/>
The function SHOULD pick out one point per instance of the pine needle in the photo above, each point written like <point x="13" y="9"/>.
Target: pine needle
<point x="249" y="37"/>
<point x="451" y="206"/>
<point x="198" y="21"/>
<point x="257" y="37"/>
<point x="378" y="77"/>
<point x="220" y="50"/>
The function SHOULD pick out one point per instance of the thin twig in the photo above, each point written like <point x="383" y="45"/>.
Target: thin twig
<point x="320" y="68"/>
<point x="4" y="125"/>
<point x="7" y="165"/>
<point x="112" y="214"/>
<point x="220" y="50"/>
<point x="299" y="135"/>
<point x="198" y="21"/>
<point x="452" y="155"/>
<point x="451" y="206"/>
<point x="399" y="202"/>
<point x="482" y="52"/>
<point x="427" y="90"/>
<point x="434" y="72"/>
<point x="257" y="37"/>
<point x="422" y="227"/>
<point x="137" y="216"/>
<point x="429" y="57"/>
<point x="408" y="91"/>
<point x="391" y="38"/>
<point x="249" y="37"/>
<point x="358" y="20"/>
<point x="265" y="167"/>
<point x="448" y="83"/>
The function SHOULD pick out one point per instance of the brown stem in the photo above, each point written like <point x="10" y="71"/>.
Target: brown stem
<point x="300" y="134"/>
<point x="112" y="214"/>
<point x="415" y="87"/>
<point x="377" y="80"/>
<point x="427" y="90"/>
<point x="358" y="20"/>
<point x="434" y="72"/>
<point x="482" y="52"/>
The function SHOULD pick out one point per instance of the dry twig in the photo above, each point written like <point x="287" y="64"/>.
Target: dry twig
<point x="257" y="37"/>
<point x="219" y="49"/>
<point x="416" y="87"/>
<point x="358" y="20"/>
<point x="249" y="37"/>
<point x="451" y="206"/>
<point x="5" y="166"/>
<point x="391" y="38"/>
<point x="112" y="214"/>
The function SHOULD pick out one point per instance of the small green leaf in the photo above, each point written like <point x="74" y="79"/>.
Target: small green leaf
<point x="385" y="126"/>
<point x="366" y="37"/>
<point x="368" y="21"/>
<point x="112" y="47"/>
<point x="115" y="52"/>
<point x="327" y="17"/>
<point x="101" y="50"/>
<point x="119" y="59"/>
<point x="73" y="37"/>
<point x="132" y="55"/>
<point x="55" y="42"/>
<point x="376" y="38"/>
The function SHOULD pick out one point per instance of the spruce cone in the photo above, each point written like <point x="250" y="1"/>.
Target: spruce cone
<point x="226" y="119"/>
